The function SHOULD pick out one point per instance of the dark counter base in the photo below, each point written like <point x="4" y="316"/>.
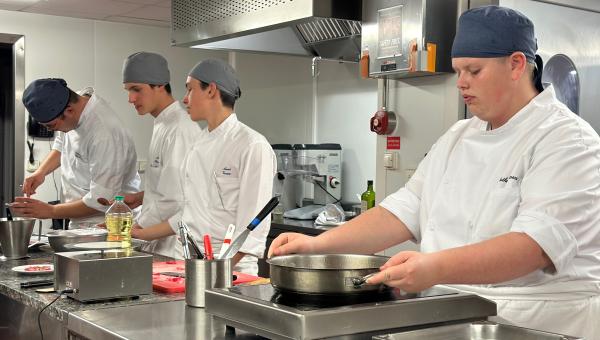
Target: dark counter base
<point x="288" y="226"/>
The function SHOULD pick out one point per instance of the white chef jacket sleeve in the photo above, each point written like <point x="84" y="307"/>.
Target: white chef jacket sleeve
<point x="405" y="203"/>
<point x="559" y="195"/>
<point x="177" y="217"/>
<point x="58" y="141"/>
<point x="109" y="156"/>
<point x="169" y="182"/>
<point x="257" y="169"/>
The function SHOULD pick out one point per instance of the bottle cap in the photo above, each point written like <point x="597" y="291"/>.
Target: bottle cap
<point x="119" y="198"/>
<point x="370" y="182"/>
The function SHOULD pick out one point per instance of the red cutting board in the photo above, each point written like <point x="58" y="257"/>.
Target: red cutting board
<point x="171" y="284"/>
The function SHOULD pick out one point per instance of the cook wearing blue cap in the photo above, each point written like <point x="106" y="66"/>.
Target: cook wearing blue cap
<point x="95" y="153"/>
<point x="492" y="32"/>
<point x="146" y="79"/>
<point x="46" y="99"/>
<point x="505" y="204"/>
<point x="227" y="175"/>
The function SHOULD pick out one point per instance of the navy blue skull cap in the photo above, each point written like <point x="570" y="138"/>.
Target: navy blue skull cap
<point x="493" y="31"/>
<point x="46" y="99"/>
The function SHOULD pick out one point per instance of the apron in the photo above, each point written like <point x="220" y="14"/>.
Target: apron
<point x="568" y="308"/>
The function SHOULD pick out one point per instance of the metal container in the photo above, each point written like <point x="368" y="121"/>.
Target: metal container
<point x="201" y="275"/>
<point x="15" y="236"/>
<point x="324" y="274"/>
<point x="58" y="239"/>
<point x="483" y="330"/>
<point x="100" y="275"/>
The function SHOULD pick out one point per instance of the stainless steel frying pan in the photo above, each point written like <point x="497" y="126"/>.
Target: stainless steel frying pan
<point x="325" y="274"/>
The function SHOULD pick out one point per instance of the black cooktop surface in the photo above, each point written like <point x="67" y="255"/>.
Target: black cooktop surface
<point x="266" y="294"/>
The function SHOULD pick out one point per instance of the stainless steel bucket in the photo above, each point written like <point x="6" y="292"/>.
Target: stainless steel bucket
<point x="324" y="274"/>
<point x="15" y="236"/>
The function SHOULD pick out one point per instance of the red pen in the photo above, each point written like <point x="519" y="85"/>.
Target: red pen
<point x="208" y="248"/>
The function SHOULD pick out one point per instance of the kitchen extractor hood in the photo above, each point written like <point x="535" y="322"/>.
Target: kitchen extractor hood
<point x="327" y="28"/>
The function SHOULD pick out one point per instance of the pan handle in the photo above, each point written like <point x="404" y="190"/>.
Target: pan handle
<point x="359" y="281"/>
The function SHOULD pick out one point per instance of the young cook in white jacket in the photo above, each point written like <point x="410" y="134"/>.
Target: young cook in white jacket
<point x="95" y="153"/>
<point x="506" y="204"/>
<point x="146" y="78"/>
<point x="228" y="175"/>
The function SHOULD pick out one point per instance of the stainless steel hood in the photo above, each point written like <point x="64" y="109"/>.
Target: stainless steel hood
<point x="326" y="28"/>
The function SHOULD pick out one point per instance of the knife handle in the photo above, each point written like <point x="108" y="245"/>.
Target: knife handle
<point x="263" y="213"/>
<point x="36" y="283"/>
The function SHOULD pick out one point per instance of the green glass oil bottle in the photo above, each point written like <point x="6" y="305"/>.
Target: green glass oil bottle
<point x="367" y="199"/>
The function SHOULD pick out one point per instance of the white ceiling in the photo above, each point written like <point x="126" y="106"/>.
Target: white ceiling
<point x="145" y="12"/>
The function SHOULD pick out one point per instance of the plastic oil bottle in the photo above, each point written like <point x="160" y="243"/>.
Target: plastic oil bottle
<point x="119" y="219"/>
<point x="367" y="199"/>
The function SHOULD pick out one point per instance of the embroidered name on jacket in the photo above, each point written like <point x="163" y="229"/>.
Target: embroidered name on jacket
<point x="156" y="162"/>
<point x="506" y="179"/>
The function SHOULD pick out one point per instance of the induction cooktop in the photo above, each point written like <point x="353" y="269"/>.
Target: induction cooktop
<point x="275" y="314"/>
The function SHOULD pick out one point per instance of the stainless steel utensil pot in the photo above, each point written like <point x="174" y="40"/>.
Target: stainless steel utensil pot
<point x="324" y="274"/>
<point x="15" y="235"/>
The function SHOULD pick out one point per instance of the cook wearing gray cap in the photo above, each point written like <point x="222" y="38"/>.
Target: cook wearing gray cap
<point x="505" y="204"/>
<point x="95" y="153"/>
<point x="146" y="68"/>
<point x="146" y="80"/>
<point x="228" y="172"/>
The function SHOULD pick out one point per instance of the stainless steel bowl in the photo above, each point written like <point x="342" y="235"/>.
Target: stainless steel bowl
<point x="324" y="274"/>
<point x="58" y="239"/>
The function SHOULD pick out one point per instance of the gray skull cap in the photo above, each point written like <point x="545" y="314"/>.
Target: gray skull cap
<point x="218" y="72"/>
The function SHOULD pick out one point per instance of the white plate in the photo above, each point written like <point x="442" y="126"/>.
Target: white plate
<point x="97" y="245"/>
<point x="27" y="269"/>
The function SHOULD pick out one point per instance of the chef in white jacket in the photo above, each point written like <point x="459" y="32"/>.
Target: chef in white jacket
<point x="506" y="204"/>
<point x="228" y="174"/>
<point x="95" y="153"/>
<point x="146" y="78"/>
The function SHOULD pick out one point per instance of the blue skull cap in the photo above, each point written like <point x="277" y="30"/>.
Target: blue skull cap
<point x="493" y="31"/>
<point x="46" y="99"/>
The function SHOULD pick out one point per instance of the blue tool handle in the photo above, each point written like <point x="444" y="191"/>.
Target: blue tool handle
<point x="263" y="213"/>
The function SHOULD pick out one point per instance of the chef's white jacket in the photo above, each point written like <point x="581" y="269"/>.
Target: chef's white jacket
<point x="538" y="174"/>
<point x="227" y="179"/>
<point x="173" y="135"/>
<point x="97" y="159"/>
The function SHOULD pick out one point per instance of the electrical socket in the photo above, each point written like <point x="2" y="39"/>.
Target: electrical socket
<point x="409" y="173"/>
<point x="31" y="167"/>
<point x="141" y="164"/>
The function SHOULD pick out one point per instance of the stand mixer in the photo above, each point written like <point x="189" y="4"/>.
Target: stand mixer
<point x="317" y="164"/>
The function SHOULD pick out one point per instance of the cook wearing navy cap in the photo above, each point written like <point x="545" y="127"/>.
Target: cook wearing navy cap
<point x="228" y="173"/>
<point x="95" y="153"/>
<point x="146" y="79"/>
<point x="505" y="204"/>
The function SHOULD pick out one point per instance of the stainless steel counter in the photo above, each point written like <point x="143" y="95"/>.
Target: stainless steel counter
<point x="24" y="304"/>
<point x="166" y="320"/>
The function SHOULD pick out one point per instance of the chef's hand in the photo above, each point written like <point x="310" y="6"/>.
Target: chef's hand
<point x="137" y="231"/>
<point x="291" y="243"/>
<point x="134" y="200"/>
<point x="32" y="182"/>
<point x="410" y="271"/>
<point x="29" y="207"/>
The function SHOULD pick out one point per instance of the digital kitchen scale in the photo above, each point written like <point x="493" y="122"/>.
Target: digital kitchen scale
<point x="265" y="311"/>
